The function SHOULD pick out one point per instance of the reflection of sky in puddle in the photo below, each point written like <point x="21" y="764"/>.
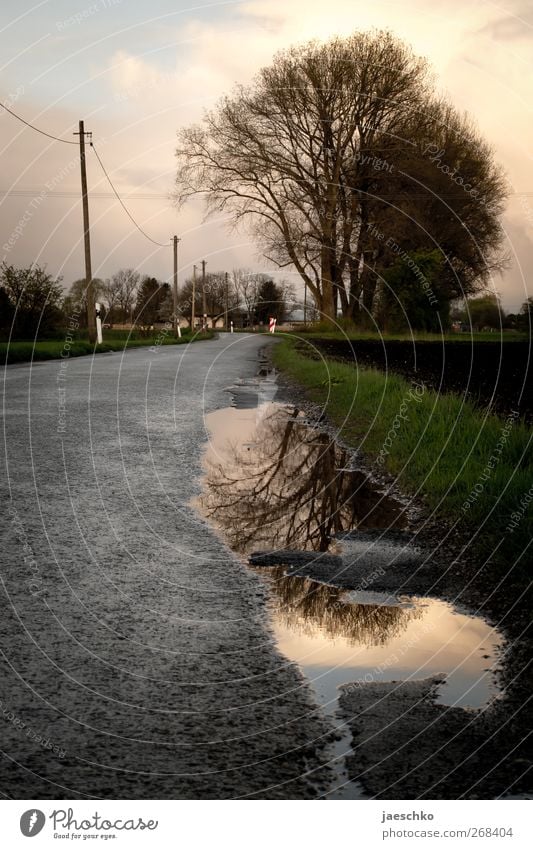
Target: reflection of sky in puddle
<point x="273" y="482"/>
<point x="435" y="640"/>
<point x="334" y="639"/>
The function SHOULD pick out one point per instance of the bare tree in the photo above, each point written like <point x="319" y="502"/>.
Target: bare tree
<point x="217" y="294"/>
<point x="247" y="285"/>
<point x="278" y="152"/>
<point x="315" y="154"/>
<point x="287" y="294"/>
<point x="110" y="294"/>
<point x="126" y="282"/>
<point x="76" y="298"/>
<point x="220" y="295"/>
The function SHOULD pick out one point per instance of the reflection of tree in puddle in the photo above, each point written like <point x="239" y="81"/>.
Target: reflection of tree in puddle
<point x="306" y="606"/>
<point x="291" y="490"/>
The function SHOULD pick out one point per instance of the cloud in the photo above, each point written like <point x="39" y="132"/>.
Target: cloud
<point x="208" y="61"/>
<point x="512" y="26"/>
<point x="136" y="92"/>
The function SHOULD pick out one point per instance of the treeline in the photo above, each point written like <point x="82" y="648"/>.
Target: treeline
<point x="34" y="304"/>
<point x="247" y="297"/>
<point x="486" y="313"/>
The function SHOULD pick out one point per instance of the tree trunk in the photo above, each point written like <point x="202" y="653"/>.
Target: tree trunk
<point x="327" y="307"/>
<point x="369" y="289"/>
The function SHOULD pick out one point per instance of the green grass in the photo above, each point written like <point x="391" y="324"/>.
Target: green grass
<point x="440" y="451"/>
<point x="324" y="331"/>
<point x="114" y="340"/>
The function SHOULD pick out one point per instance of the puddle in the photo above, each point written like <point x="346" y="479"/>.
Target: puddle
<point x="338" y="641"/>
<point x="275" y="483"/>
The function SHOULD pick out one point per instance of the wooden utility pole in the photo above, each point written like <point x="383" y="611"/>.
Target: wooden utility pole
<point x="89" y="289"/>
<point x="193" y="296"/>
<point x="227" y="300"/>
<point x="175" y="287"/>
<point x="204" y="307"/>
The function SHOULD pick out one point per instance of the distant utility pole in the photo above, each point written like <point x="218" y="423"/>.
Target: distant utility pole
<point x="193" y="296"/>
<point x="227" y="300"/>
<point x="89" y="288"/>
<point x="175" y="286"/>
<point x="204" y="307"/>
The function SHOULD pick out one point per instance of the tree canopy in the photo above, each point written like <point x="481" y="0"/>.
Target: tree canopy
<point x="151" y="297"/>
<point x="75" y="301"/>
<point x="340" y="157"/>
<point x="483" y="311"/>
<point x="32" y="298"/>
<point x="270" y="303"/>
<point x="117" y="293"/>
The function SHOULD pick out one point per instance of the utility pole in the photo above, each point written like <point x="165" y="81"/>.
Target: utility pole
<point x="89" y="289"/>
<point x="175" y="286"/>
<point x="193" y="296"/>
<point x="227" y="300"/>
<point x="204" y="308"/>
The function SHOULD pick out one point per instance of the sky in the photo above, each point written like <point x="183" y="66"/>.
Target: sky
<point x="136" y="71"/>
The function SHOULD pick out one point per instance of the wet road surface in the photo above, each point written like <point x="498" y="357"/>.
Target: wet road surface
<point x="283" y="491"/>
<point x="137" y="661"/>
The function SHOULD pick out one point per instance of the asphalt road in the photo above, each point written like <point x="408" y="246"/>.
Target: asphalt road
<point x="136" y="656"/>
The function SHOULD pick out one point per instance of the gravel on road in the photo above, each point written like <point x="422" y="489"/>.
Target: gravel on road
<point x="137" y="660"/>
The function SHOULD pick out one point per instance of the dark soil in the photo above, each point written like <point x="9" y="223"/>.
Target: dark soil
<point x="491" y="374"/>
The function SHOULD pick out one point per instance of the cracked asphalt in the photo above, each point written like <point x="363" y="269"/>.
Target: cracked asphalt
<point x="137" y="660"/>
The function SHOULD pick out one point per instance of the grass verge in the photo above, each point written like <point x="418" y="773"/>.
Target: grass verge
<point x="471" y="468"/>
<point x="51" y="349"/>
<point x="324" y="331"/>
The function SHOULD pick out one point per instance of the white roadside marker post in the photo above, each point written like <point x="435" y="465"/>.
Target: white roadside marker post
<point x="178" y="328"/>
<point x="272" y="325"/>
<point x="98" y="324"/>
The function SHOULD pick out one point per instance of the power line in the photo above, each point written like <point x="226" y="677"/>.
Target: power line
<point x="22" y="193"/>
<point x="30" y="193"/>
<point x="37" y="130"/>
<point x="124" y="207"/>
<point x="154" y="196"/>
